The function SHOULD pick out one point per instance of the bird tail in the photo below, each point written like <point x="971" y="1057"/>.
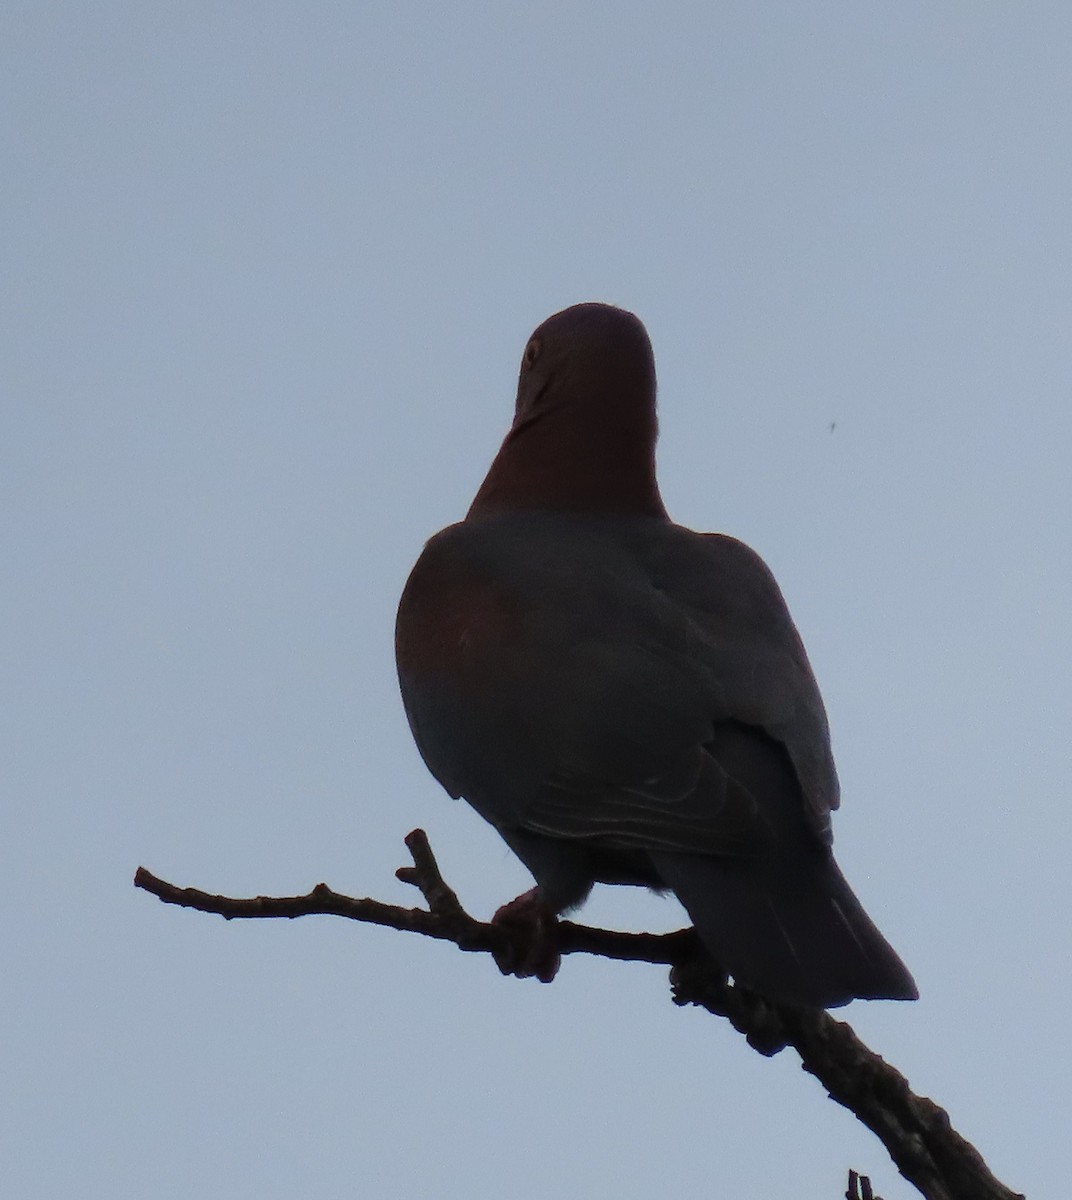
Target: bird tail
<point x="791" y="929"/>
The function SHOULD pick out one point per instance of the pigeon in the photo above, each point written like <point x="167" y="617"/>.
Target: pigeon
<point x="625" y="700"/>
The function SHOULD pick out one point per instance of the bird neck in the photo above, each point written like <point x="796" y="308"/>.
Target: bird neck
<point x="560" y="460"/>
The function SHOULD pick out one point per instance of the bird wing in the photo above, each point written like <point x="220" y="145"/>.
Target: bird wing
<point x="580" y="685"/>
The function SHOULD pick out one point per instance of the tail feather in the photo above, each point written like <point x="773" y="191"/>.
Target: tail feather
<point x="791" y="927"/>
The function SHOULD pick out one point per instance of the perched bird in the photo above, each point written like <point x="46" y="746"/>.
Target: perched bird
<point x="627" y="701"/>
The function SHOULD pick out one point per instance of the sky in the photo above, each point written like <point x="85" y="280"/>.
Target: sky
<point x="268" y="270"/>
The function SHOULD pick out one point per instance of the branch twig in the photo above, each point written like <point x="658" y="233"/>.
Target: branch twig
<point x="860" y="1188"/>
<point x="926" y="1149"/>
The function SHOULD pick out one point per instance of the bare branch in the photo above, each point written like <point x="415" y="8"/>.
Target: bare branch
<point x="860" y="1188"/>
<point x="926" y="1149"/>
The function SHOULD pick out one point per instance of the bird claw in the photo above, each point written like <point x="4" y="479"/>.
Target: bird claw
<point x="533" y="950"/>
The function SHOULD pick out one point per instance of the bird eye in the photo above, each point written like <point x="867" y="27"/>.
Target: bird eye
<point x="532" y="352"/>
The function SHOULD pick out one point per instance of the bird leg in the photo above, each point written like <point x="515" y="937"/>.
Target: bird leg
<point x="534" y="948"/>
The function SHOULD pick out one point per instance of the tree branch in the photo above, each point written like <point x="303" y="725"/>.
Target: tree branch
<point x="860" y="1188"/>
<point x="926" y="1149"/>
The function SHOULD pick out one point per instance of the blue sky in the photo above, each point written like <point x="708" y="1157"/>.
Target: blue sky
<point x="268" y="272"/>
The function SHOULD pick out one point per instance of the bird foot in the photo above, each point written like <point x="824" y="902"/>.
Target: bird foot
<point x="534" y="941"/>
